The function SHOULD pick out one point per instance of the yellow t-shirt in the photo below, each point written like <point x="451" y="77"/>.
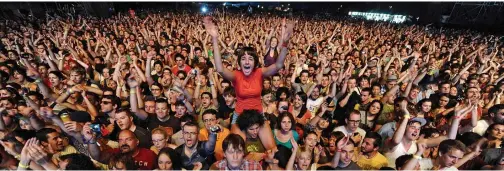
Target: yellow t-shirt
<point x="375" y="163"/>
<point x="219" y="152"/>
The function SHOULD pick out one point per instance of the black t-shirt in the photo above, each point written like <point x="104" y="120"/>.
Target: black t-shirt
<point x="172" y="123"/>
<point x="144" y="137"/>
<point x="224" y="110"/>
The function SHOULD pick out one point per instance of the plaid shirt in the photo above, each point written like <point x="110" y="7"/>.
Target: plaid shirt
<point x="246" y="165"/>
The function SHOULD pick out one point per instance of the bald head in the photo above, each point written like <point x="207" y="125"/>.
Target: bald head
<point x="128" y="142"/>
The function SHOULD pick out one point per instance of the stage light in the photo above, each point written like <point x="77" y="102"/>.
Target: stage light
<point x="204" y="9"/>
<point x="224" y="4"/>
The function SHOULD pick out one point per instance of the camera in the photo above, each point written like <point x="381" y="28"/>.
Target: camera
<point x="215" y="129"/>
<point x="194" y="72"/>
<point x="95" y="128"/>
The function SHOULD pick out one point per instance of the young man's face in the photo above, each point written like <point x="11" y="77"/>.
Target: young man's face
<point x="234" y="156"/>
<point x="210" y="120"/>
<point x="347" y="153"/>
<point x="413" y="131"/>
<point x="162" y="110"/>
<point x="230" y="100"/>
<point x="123" y="120"/>
<point x="190" y="135"/>
<point x="451" y="157"/>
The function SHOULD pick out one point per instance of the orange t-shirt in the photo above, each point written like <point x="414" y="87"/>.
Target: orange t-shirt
<point x="248" y="90"/>
<point x="219" y="151"/>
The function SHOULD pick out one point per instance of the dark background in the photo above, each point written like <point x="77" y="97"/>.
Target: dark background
<point x="485" y="16"/>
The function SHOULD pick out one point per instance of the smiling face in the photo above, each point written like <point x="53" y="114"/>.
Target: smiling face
<point x="413" y="131"/>
<point x="247" y="64"/>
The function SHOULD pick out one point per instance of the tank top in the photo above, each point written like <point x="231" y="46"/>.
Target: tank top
<point x="268" y="59"/>
<point x="398" y="151"/>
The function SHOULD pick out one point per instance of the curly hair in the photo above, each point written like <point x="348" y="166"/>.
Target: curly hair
<point x="249" y="118"/>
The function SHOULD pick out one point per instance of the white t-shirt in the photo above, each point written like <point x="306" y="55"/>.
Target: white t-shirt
<point x="481" y="127"/>
<point x="314" y="105"/>
<point x="398" y="151"/>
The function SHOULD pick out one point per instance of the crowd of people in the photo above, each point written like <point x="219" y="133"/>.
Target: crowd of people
<point x="185" y="91"/>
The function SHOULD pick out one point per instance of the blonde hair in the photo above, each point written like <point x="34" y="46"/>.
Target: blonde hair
<point x="161" y="131"/>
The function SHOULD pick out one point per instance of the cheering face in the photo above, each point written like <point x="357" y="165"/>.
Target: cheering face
<point x="303" y="160"/>
<point x="310" y="141"/>
<point x="298" y="102"/>
<point x="190" y="135"/>
<point x="413" y="131"/>
<point x="247" y="64"/>
<point x="210" y="120"/>
<point x="230" y="100"/>
<point x="55" y="142"/>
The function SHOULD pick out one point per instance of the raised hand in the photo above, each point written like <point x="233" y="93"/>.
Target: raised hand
<point x="132" y="83"/>
<point x="210" y="27"/>
<point x="294" y="144"/>
<point x="342" y="143"/>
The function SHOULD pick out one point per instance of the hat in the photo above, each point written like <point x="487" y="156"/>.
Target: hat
<point x="422" y="121"/>
<point x="392" y="78"/>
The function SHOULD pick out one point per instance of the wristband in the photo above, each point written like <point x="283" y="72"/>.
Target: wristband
<point x="458" y="117"/>
<point x="70" y="91"/>
<point x="38" y="80"/>
<point x="17" y="156"/>
<point x="417" y="156"/>
<point x="23" y="166"/>
<point x="133" y="91"/>
<point x="339" y="150"/>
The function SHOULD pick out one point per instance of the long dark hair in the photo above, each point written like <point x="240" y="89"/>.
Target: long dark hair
<point x="304" y="98"/>
<point x="283" y="115"/>
<point x="174" y="157"/>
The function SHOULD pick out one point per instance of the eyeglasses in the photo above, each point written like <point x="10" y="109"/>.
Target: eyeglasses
<point x="353" y="121"/>
<point x="160" y="140"/>
<point x="190" y="133"/>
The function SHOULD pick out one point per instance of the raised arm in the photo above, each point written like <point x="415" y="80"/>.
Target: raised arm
<point x="213" y="31"/>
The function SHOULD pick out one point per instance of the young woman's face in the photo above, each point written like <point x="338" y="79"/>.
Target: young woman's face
<point x="298" y="102"/>
<point x="286" y="124"/>
<point x="247" y="64"/>
<point x="374" y="108"/>
<point x="443" y="101"/>
<point x="164" y="162"/>
<point x="159" y="141"/>
<point x="54" y="80"/>
<point x="304" y="160"/>
<point x="497" y="132"/>
<point x="426" y="106"/>
<point x="253" y="131"/>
